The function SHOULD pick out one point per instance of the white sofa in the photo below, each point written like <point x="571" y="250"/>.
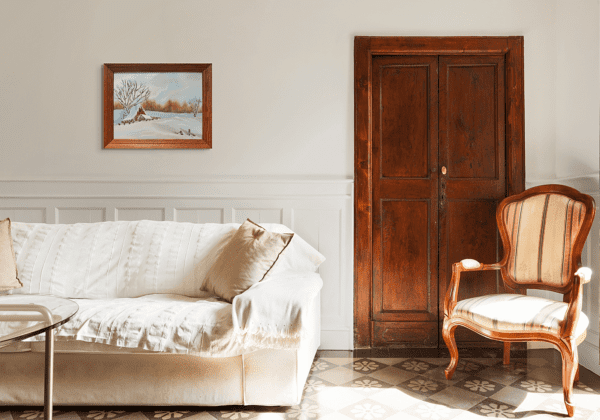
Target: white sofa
<point x="147" y="333"/>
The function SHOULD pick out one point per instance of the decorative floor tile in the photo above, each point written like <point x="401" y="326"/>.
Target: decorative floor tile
<point x="580" y="387"/>
<point x="497" y="374"/>
<point x="102" y="414"/>
<point x="469" y="367"/>
<point x="535" y="385"/>
<point x="170" y="415"/>
<point x="338" y="361"/>
<point x="546" y="374"/>
<point x="234" y="413"/>
<point x="338" y="375"/>
<point x="439" y="375"/>
<point x="337" y="398"/>
<point x="307" y="409"/>
<point x="438" y="361"/>
<point x="480" y="386"/>
<point x="269" y="416"/>
<point x="520" y="398"/>
<point x="321" y="365"/>
<point x="429" y="411"/>
<point x="485" y="361"/>
<point x="415" y="365"/>
<point x="315" y="384"/>
<point x="366" y="366"/>
<point x="140" y="416"/>
<point x="537" y="361"/>
<point x="367" y="409"/>
<point x="367" y="385"/>
<point x="389" y="360"/>
<point x="399" y="415"/>
<point x="397" y="398"/>
<point x="202" y="415"/>
<point x="498" y="409"/>
<point x="517" y="367"/>
<point x="336" y="415"/>
<point x="67" y="415"/>
<point x="454" y="397"/>
<point x="393" y="375"/>
<point x="422" y="385"/>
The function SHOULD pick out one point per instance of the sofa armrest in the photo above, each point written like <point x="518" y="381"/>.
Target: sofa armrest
<point x="277" y="308"/>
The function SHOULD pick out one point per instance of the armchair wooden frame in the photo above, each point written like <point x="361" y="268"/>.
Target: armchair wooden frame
<point x="571" y="289"/>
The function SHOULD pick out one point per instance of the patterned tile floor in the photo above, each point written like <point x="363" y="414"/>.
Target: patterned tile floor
<point x="347" y="388"/>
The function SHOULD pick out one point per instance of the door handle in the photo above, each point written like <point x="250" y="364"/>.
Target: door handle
<point x="443" y="170"/>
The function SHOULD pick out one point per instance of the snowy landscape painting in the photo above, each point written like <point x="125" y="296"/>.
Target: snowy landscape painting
<point x="157" y="106"/>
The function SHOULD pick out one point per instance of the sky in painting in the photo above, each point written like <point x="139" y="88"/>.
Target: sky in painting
<point x="164" y="86"/>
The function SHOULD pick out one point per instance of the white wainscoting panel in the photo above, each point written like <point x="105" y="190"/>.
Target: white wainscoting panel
<point x="320" y="211"/>
<point x="589" y="349"/>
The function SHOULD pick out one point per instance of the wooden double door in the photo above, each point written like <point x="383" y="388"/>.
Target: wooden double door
<point x="437" y="169"/>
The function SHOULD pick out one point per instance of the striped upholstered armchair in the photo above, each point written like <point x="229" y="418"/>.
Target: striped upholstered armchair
<point x="543" y="231"/>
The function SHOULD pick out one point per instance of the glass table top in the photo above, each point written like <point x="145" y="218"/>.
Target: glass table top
<point x="20" y="324"/>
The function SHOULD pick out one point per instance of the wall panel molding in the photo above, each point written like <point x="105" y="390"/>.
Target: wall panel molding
<point x="320" y="211"/>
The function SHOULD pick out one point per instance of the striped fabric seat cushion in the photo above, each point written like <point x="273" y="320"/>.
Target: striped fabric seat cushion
<point x="512" y="313"/>
<point x="542" y="230"/>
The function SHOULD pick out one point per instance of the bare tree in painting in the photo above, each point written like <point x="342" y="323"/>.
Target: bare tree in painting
<point x="130" y="94"/>
<point x="196" y="105"/>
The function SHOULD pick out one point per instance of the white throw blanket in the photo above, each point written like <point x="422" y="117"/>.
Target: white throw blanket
<point x="271" y="314"/>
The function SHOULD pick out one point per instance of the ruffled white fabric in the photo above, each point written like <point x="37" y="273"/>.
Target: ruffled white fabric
<point x="272" y="315"/>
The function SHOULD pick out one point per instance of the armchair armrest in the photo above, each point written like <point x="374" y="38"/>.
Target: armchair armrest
<point x="457" y="268"/>
<point x="585" y="274"/>
<point x="277" y="309"/>
<point x="582" y="276"/>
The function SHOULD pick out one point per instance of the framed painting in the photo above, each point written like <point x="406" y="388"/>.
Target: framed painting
<point x="157" y="106"/>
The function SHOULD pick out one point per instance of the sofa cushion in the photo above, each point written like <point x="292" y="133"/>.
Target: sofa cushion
<point x="245" y="260"/>
<point x="8" y="267"/>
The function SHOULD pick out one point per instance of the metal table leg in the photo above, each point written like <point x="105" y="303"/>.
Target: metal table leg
<point x="49" y="372"/>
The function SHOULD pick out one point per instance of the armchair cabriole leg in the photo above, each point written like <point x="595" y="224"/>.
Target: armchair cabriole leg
<point x="506" y="360"/>
<point x="448" y="334"/>
<point x="570" y="364"/>
<point x="576" y="380"/>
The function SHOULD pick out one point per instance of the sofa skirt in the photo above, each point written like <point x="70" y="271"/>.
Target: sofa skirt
<point x="264" y="377"/>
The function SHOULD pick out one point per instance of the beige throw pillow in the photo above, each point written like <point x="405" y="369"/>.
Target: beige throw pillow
<point x="9" y="278"/>
<point x="245" y="260"/>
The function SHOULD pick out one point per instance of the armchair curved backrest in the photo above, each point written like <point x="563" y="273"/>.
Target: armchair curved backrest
<point x="543" y="232"/>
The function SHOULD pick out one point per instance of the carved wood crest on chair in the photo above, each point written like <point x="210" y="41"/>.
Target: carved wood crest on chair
<point x="543" y="232"/>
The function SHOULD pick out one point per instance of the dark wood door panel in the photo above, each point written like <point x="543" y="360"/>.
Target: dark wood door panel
<point x="472" y="233"/>
<point x="472" y="148"/>
<point x="405" y="334"/>
<point x="472" y="118"/>
<point x="403" y="86"/>
<point x="405" y="188"/>
<point x="405" y="281"/>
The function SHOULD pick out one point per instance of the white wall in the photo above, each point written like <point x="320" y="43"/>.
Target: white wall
<point x="577" y="88"/>
<point x="282" y="79"/>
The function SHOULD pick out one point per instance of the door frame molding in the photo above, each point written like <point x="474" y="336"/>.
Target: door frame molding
<point x="365" y="47"/>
